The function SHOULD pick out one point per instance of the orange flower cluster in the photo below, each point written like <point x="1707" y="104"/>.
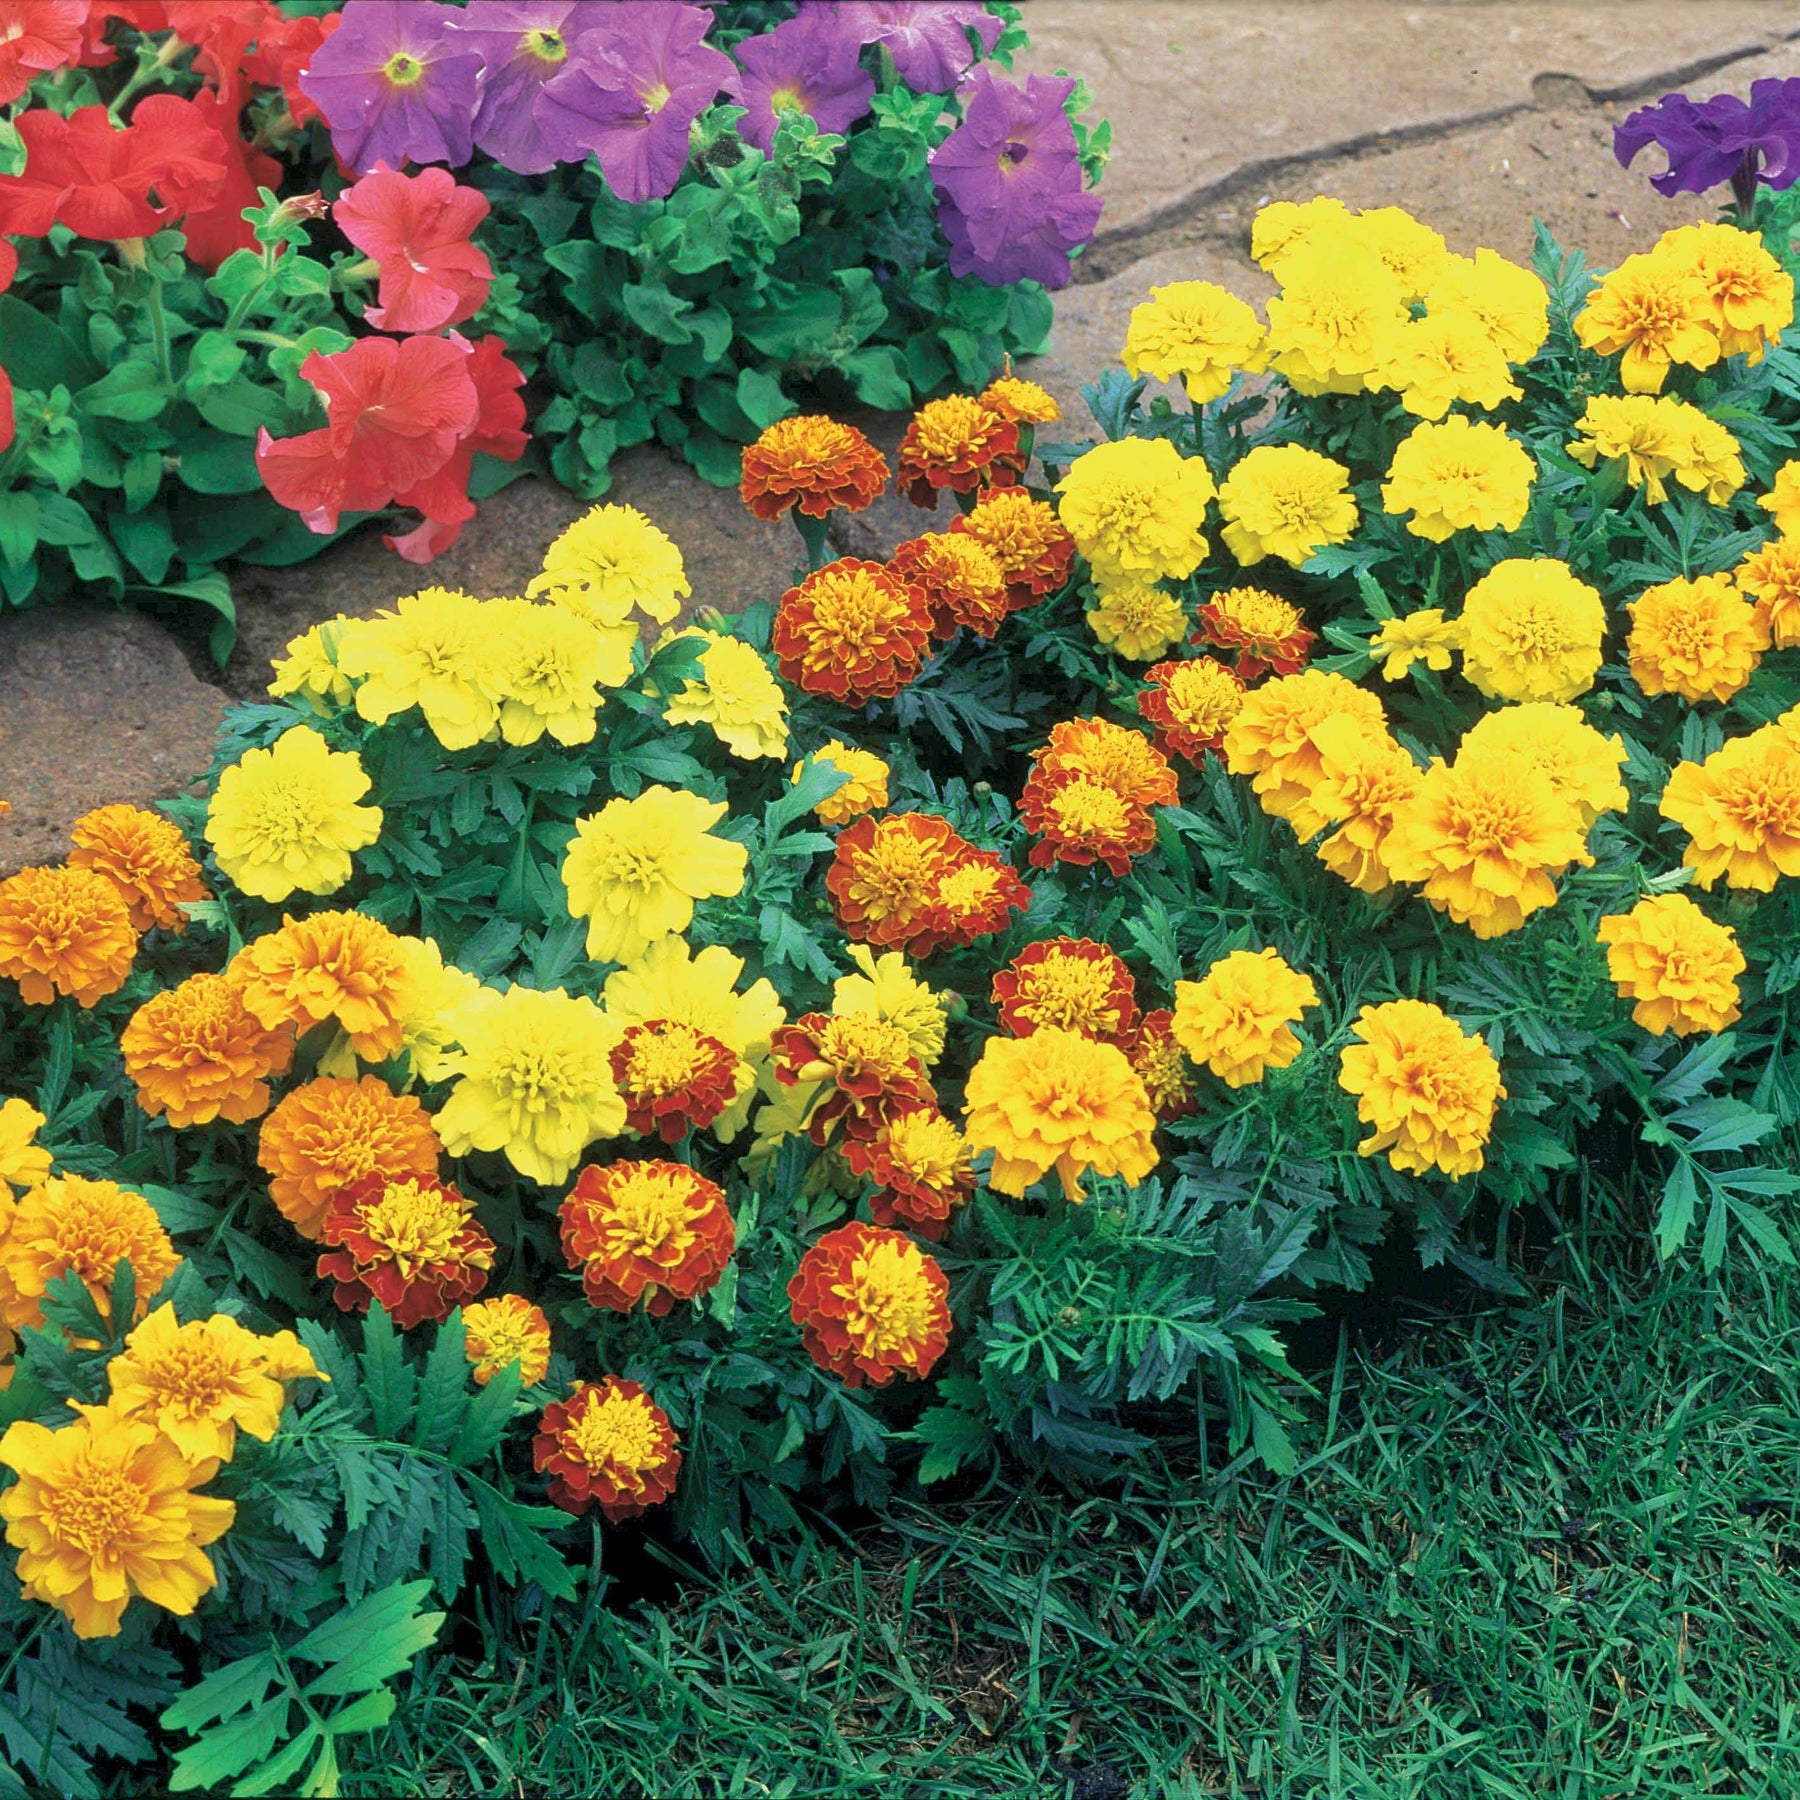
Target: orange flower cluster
<point x="959" y="578"/>
<point x="866" y="1065"/>
<point x="921" y="1166"/>
<point x="1267" y="632"/>
<point x="1073" y="984"/>
<point x="1025" y="537"/>
<point x="145" y="857"/>
<point x="852" y="630"/>
<point x="959" y="443"/>
<point x="871" y="1305"/>
<point x="608" y="1445"/>
<point x="409" y="1241"/>
<point x="340" y="966"/>
<point x="197" y="1053"/>
<point x="673" y="1078"/>
<point x="813" y="464"/>
<point x="911" y="882"/>
<point x="652" y="1232"/>
<point x="1089" y="794"/>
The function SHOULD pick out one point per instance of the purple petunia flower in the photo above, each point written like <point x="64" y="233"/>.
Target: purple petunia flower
<point x="395" y="85"/>
<point x="928" y="39"/>
<point x="1721" y="139"/>
<point x="807" y="65"/>
<point x="638" y="79"/>
<point x="1009" y="182"/>
<point x="524" y="43"/>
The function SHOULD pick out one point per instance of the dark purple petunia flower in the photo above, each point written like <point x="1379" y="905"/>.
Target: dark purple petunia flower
<point x="1009" y="182"/>
<point x="1722" y="139"/>
<point x="635" y="83"/>
<point x="807" y="65"/>
<point x="928" y="39"/>
<point x="395" y="85"/>
<point x="523" y="43"/>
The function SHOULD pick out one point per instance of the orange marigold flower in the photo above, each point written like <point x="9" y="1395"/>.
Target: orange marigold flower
<point x="650" y="1231"/>
<point x="884" y="877"/>
<point x="853" y="631"/>
<point x="505" y="1330"/>
<point x="1700" y="639"/>
<point x="68" y="1224"/>
<point x="1113" y="755"/>
<point x="609" y="1444"/>
<point x="1741" y="810"/>
<point x="1031" y="544"/>
<point x="922" y="1169"/>
<point x="1078" y="819"/>
<point x="1190" y="706"/>
<point x="1271" y="739"/>
<point x="334" y="965"/>
<point x="1677" y="965"/>
<point x="1364" y="778"/>
<point x="64" y="931"/>
<point x="1772" y="575"/>
<point x="1267" y="632"/>
<point x="871" y="1305"/>
<point x="1238" y="1018"/>
<point x="409" y="1241"/>
<point x="1024" y="402"/>
<point x="973" y="899"/>
<point x="332" y="1132"/>
<point x="865" y="788"/>
<point x="145" y="857"/>
<point x="868" y="1064"/>
<point x="960" y="579"/>
<point x="197" y="1053"/>
<point x="957" y="443"/>
<point x="671" y="1077"/>
<point x="1162" y="1066"/>
<point x="814" y="464"/>
<point x="1073" y="984"/>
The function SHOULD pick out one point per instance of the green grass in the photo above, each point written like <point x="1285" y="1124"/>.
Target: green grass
<point x="1534" y="1550"/>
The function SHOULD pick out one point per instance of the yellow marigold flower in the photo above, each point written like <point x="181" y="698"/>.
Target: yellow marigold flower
<point x="64" y="931"/>
<point x="1424" y="636"/>
<point x="551" y="664"/>
<point x="1459" y="475"/>
<point x="737" y="695"/>
<point x="865" y="788"/>
<point x="68" y="1224"/>
<point x="535" y="1080"/>
<point x="1750" y="296"/>
<point x="22" y="1162"/>
<point x="197" y="1053"/>
<point x="202" y="1382"/>
<point x="1444" y="358"/>
<point x="1741" y="810"/>
<point x="1677" y="965"/>
<point x="1271" y="739"/>
<point x="1532" y="631"/>
<point x="1414" y="254"/>
<point x="1649" y="432"/>
<point x="285" y="820"/>
<point x="1285" y="500"/>
<point x="1772" y="574"/>
<point x="887" y="988"/>
<point x="1286" y="226"/>
<point x="1238" y="1017"/>
<point x="1364" y="778"/>
<point x="1700" y="639"/>
<point x="505" y="1330"/>
<point x="610" y="562"/>
<point x="1021" y="402"/>
<point x="1138" y="619"/>
<point x="1428" y="1087"/>
<point x="104" y="1511"/>
<point x="342" y="966"/>
<point x="1197" y="331"/>
<point x="145" y="857"/>
<point x="1511" y="304"/>
<point x="1058" y="1100"/>
<point x="1783" y="499"/>
<point x="1135" y="509"/>
<point x="1582" y="765"/>
<point x="429" y="1020"/>
<point x="635" y="868"/>
<point x="435" y="651"/>
<point x="1486" y="835"/>
<point x="1711" y="464"/>
<point x="1657" y="313"/>
<point x="309" y="671"/>
<point x="1338" y="319"/>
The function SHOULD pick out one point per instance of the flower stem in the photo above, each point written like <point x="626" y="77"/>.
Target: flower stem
<point x="159" y="332"/>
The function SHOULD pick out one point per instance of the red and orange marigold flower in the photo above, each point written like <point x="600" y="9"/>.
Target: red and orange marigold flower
<point x="962" y="583"/>
<point x="1268" y="633"/>
<point x="673" y="1077"/>
<point x="1162" y="1066"/>
<point x="959" y="443"/>
<point x="64" y="931"/>
<point x="922" y="1169"/>
<point x="648" y="1233"/>
<point x="1189" y="706"/>
<point x="145" y="857"/>
<point x="1031" y="544"/>
<point x="813" y="464"/>
<point x="866" y="1065"/>
<point x="853" y="631"/>
<point x="871" y="1305"/>
<point x="608" y="1445"/>
<point x="975" y="898"/>
<point x="1089" y="795"/>
<point x="505" y="1330"/>
<point x="1074" y="984"/>
<point x="410" y="1241"/>
<point x="884" y="878"/>
<point x="197" y="1053"/>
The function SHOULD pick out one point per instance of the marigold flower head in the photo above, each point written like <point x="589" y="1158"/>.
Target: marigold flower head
<point x="611" y="563"/>
<point x="1162" y="1065"/>
<point x="1772" y="575"/>
<point x="1582" y="765"/>
<point x="651" y="1232"/>
<point x="921" y="1167"/>
<point x="1749" y="296"/>
<point x="1709" y="463"/>
<point x="1025" y="537"/>
<point x="308" y="669"/>
<point x="1271" y="738"/>
<point x="68" y="1224"/>
<point x="197" y="1053"/>
<point x="285" y="820"/>
<point x="1700" y="639"/>
<point x="1741" y="810"/>
<point x="1195" y="331"/>
<point x="1445" y="359"/>
<point x="608" y="1445"/>
<point x="852" y="630"/>
<point x="673" y="1078"/>
<point x="813" y="464"/>
<point x="1425" y="636"/>
<point x="1783" y="499"/>
<point x="886" y="987"/>
<point x="960" y="578"/>
<point x="1113" y="755"/>
<point x="975" y="897"/>
<point x="435" y="651"/>
<point x="1058" y="1100"/>
<point x="330" y="1133"/>
<point x="505" y="1330"/>
<point x="884" y="876"/>
<point x="1338" y="318"/>
<point x="1073" y="984"/>
<point x="1080" y="819"/>
<point x="1135" y="508"/>
<point x="201" y="1383"/>
<point x="64" y="931"/>
<point x="1285" y="500"/>
<point x="1267" y="632"/>
<point x="1532" y="631"/>
<point x="550" y="665"/>
<point x="736" y="695"/>
<point x="1414" y="254"/>
<point x="635" y="868"/>
<point x="342" y="966"/>
<point x="1677" y="965"/>
<point x="1190" y="706"/>
<point x="23" y="1163"/>
<point x="535" y="1080"/>
<point x="1511" y="303"/>
<point x="410" y="1241"/>
<point x="864" y="790"/>
<point x="1137" y="619"/>
<point x="871" y="1305"/>
<point x="958" y="443"/>
<point x="1655" y="311"/>
<point x="1643" y="431"/>
<point x="145" y="857"/>
<point x="1364" y="776"/>
<point x="1023" y="402"/>
<point x="1459" y="475"/>
<point x="104" y="1512"/>
<point x="1238" y="1017"/>
<point x="1286" y="226"/>
<point x="865" y="1067"/>
<point x="1428" y="1088"/>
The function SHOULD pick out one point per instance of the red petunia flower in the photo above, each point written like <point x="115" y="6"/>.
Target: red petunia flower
<point x="147" y="16"/>
<point x="215" y="230"/>
<point x="609" y="1444"/>
<point x="36" y="36"/>
<point x="417" y="228"/>
<point x="284" y="50"/>
<point x="221" y="36"/>
<point x="8" y="423"/>
<point x="649" y="1231"/>
<point x="9" y="265"/>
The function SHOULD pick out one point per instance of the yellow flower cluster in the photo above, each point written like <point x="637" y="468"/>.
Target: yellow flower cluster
<point x="1652" y="437"/>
